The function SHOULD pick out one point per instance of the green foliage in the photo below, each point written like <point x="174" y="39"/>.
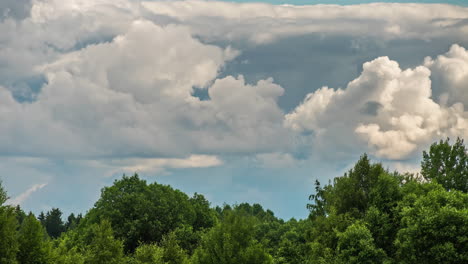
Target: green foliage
<point x="317" y="207"/>
<point x="3" y="194"/>
<point x="434" y="228"/>
<point x="351" y="193"/>
<point x="187" y="238"/>
<point x="53" y="223"/>
<point x="8" y="226"/>
<point x="356" y="246"/>
<point x="34" y="247"/>
<point x="368" y="215"/>
<point x="142" y="213"/>
<point x="382" y="216"/>
<point x="104" y="248"/>
<point x="204" y="216"/>
<point x="8" y="240"/>
<point x="288" y="251"/>
<point x="20" y="214"/>
<point x="257" y="211"/>
<point x="447" y="165"/>
<point x="73" y="221"/>
<point x="149" y="254"/>
<point x="172" y="253"/>
<point x="285" y="241"/>
<point x="67" y="252"/>
<point x="231" y="242"/>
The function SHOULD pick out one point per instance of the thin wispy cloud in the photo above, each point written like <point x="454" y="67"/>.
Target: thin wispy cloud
<point x="18" y="200"/>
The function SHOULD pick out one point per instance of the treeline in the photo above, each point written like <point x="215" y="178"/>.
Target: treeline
<point x="368" y="215"/>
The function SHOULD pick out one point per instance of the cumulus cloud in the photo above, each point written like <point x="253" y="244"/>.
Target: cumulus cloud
<point x="241" y="117"/>
<point x="133" y="96"/>
<point x="263" y="23"/>
<point x="450" y="76"/>
<point x="405" y="115"/>
<point x="18" y="200"/>
<point x="105" y="79"/>
<point x="306" y="116"/>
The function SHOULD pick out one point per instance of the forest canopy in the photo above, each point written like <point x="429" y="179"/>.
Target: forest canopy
<point x="367" y="215"/>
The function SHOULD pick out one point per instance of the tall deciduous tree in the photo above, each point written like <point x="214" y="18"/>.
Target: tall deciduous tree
<point x="142" y="213"/>
<point x="8" y="226"/>
<point x="434" y="228"/>
<point x="447" y="165"/>
<point x="33" y="244"/>
<point x="232" y="242"/>
<point x="349" y="194"/>
<point x="104" y="248"/>
<point x="356" y="246"/>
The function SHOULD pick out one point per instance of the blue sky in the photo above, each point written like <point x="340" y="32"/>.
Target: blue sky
<point x="242" y="103"/>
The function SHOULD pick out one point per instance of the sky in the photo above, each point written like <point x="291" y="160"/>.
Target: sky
<point x="351" y="2"/>
<point x="241" y="102"/>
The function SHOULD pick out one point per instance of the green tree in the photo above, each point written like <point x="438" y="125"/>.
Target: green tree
<point x="41" y="217"/>
<point x="149" y="254"/>
<point x="172" y="253"/>
<point x="3" y="194"/>
<point x="72" y="221"/>
<point x="318" y="206"/>
<point x="356" y="246"/>
<point x="67" y="251"/>
<point x="142" y="213"/>
<point x="104" y="248"/>
<point x="34" y="248"/>
<point x="447" y="165"/>
<point x="367" y="193"/>
<point x="205" y="217"/>
<point x="8" y="226"/>
<point x="288" y="251"/>
<point x="20" y="214"/>
<point x="231" y="242"/>
<point x="350" y="193"/>
<point x="382" y="215"/>
<point x="53" y="223"/>
<point x="434" y="227"/>
<point x="187" y="238"/>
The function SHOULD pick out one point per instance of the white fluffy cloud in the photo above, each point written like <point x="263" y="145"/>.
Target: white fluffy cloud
<point x="263" y="23"/>
<point x="119" y="78"/>
<point x="132" y="96"/>
<point x="390" y="108"/>
<point x="450" y="76"/>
